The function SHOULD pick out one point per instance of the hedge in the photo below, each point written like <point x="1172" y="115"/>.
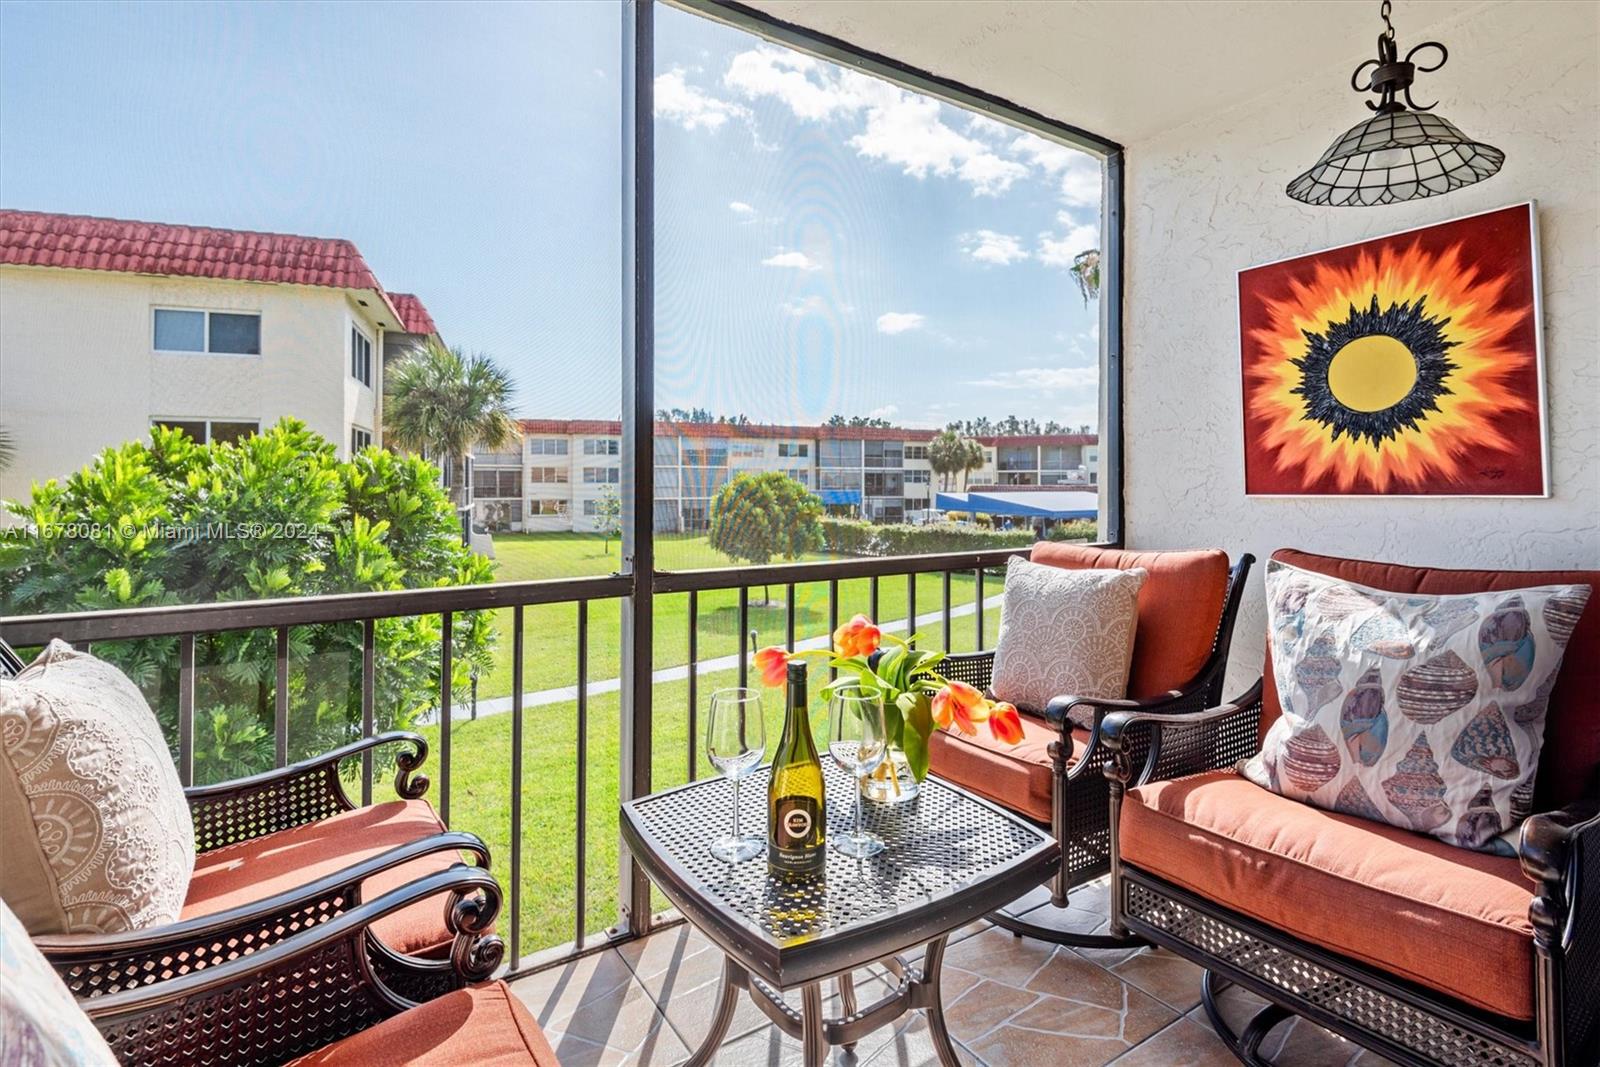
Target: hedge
<point x="849" y="537"/>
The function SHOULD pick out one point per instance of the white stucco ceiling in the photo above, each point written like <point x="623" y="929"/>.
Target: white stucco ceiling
<point x="1127" y="69"/>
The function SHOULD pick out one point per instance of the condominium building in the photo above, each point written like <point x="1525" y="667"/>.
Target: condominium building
<point x="108" y="327"/>
<point x="563" y="469"/>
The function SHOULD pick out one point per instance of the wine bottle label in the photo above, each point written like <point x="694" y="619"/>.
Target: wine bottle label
<point x="797" y="845"/>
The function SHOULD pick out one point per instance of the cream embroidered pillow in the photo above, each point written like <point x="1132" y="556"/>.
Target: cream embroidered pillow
<point x="1065" y="633"/>
<point x="93" y="821"/>
<point x="1424" y="712"/>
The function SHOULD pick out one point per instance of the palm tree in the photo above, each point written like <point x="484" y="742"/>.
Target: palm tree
<point x="441" y="402"/>
<point x="946" y="455"/>
<point x="8" y="450"/>
<point x="971" y="461"/>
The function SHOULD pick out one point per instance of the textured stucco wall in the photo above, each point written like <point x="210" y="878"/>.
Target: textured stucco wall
<point x="1206" y="199"/>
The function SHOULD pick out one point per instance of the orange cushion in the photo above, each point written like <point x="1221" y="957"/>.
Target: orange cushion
<point x="259" y="868"/>
<point x="485" y="1026"/>
<point x="1405" y="903"/>
<point x="1180" y="605"/>
<point x="1570" y="761"/>
<point x="1017" y="777"/>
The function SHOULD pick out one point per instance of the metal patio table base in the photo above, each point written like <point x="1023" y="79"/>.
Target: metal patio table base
<point x="951" y="858"/>
<point x="918" y="988"/>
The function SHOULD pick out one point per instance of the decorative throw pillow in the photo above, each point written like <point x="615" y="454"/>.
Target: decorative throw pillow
<point x="1424" y="712"/>
<point x="40" y="1022"/>
<point x="1065" y="633"/>
<point x="93" y="821"/>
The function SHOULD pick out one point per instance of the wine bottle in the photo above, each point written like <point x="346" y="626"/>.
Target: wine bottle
<point x="796" y="811"/>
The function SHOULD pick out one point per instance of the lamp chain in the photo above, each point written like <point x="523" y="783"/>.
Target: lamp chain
<point x="1388" y="27"/>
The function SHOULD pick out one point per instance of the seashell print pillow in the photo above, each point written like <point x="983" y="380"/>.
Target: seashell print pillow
<point x="1424" y="712"/>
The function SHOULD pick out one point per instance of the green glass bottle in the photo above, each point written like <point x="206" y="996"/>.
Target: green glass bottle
<point x="796" y="810"/>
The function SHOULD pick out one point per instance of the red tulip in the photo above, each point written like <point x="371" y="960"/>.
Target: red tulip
<point x="773" y="665"/>
<point x="1005" y="723"/>
<point x="958" y="704"/>
<point x="858" y="637"/>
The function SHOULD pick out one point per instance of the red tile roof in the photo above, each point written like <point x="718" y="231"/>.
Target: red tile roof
<point x="604" y="427"/>
<point x="414" y="318"/>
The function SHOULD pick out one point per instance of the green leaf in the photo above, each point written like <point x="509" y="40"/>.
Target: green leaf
<point x="918" y="712"/>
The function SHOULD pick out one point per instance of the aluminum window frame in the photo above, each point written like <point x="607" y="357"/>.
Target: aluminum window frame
<point x="205" y="314"/>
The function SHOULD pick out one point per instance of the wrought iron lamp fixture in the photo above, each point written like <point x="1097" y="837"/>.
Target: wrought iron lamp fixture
<point x="1401" y="153"/>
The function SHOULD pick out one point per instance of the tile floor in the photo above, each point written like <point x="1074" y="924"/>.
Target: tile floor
<point x="1010" y="1002"/>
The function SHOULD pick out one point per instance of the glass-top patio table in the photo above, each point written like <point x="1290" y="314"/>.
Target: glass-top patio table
<point x="951" y="858"/>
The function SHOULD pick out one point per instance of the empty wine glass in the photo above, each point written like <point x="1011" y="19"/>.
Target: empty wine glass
<point x="736" y="739"/>
<point x="858" y="742"/>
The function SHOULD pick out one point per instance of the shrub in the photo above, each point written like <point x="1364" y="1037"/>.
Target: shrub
<point x="274" y="515"/>
<point x="852" y="538"/>
<point x="1075" y="530"/>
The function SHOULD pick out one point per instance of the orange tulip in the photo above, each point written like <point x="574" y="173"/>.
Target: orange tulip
<point x="1005" y="723"/>
<point x="958" y="704"/>
<point x="773" y="665"/>
<point x="858" y="637"/>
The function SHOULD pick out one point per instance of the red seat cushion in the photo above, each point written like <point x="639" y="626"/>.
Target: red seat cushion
<point x="264" y="866"/>
<point x="1180" y="605"/>
<point x="485" y="1026"/>
<point x="1017" y="777"/>
<point x="1448" y="918"/>
<point x="1570" y="762"/>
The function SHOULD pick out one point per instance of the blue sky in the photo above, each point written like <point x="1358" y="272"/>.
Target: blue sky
<point x="826" y="243"/>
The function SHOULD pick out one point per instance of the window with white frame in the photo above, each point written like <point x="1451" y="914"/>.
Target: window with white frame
<point x="600" y="446"/>
<point x="359" y="439"/>
<point x="211" y="431"/>
<point x="591" y="507"/>
<point x="360" y="356"/>
<point x="228" y="333"/>
<point x="548" y="475"/>
<point x="547" y="446"/>
<point x="793" y="450"/>
<point x="916" y="451"/>
<point x="546" y="507"/>
<point x="601" y="475"/>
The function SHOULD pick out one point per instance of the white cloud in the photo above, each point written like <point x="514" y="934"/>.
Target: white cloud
<point x="793" y="260"/>
<point x="1078" y="172"/>
<point x="1047" y="378"/>
<point x="987" y="246"/>
<point x="690" y="106"/>
<point x="807" y="305"/>
<point x="888" y="411"/>
<point x="893" y="322"/>
<point x="739" y="207"/>
<point x="1058" y="250"/>
<point x="805" y="86"/>
<point x="985" y="126"/>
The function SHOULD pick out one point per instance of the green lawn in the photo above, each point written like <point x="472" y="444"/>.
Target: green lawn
<point x="480" y="797"/>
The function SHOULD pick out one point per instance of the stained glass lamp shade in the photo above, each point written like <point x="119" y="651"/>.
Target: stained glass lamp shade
<point x="1396" y="156"/>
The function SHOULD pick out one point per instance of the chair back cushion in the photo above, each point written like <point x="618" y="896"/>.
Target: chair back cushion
<point x="1570" y="759"/>
<point x="40" y="1022"/>
<point x="1064" y="633"/>
<point x="94" y="825"/>
<point x="1180" y="606"/>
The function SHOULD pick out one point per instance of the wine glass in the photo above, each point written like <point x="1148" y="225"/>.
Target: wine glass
<point x="858" y="742"/>
<point x="736" y="739"/>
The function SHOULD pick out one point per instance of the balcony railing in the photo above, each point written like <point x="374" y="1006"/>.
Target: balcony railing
<point x="188" y="624"/>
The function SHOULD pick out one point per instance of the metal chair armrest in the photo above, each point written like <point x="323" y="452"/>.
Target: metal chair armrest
<point x="1560" y="852"/>
<point x="407" y="783"/>
<point x="1120" y="730"/>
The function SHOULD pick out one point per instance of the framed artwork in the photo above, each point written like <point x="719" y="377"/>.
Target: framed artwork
<point x="1407" y="365"/>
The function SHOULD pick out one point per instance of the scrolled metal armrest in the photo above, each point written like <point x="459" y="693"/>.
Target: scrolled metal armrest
<point x="459" y="883"/>
<point x="407" y="783"/>
<point x="1115" y="729"/>
<point x="1547" y="850"/>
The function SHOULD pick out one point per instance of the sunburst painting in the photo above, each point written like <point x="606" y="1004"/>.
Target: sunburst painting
<point x="1407" y="365"/>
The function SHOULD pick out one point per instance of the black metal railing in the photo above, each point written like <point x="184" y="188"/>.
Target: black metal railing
<point x="190" y="623"/>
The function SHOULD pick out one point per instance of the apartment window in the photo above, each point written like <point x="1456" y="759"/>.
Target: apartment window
<point x="793" y="450"/>
<point x="229" y="333"/>
<point x="1019" y="458"/>
<point x="885" y="454"/>
<point x="359" y="439"/>
<point x="916" y="451"/>
<point x="600" y="446"/>
<point x="839" y="454"/>
<point x="885" y="483"/>
<point x="548" y="475"/>
<point x="601" y="476"/>
<point x="705" y="456"/>
<point x="918" y="477"/>
<point x="546" y="507"/>
<point x="496" y="482"/>
<point x="1019" y="478"/>
<point x="839" y="479"/>
<point x="667" y="481"/>
<point x="211" y="431"/>
<point x="1060" y="457"/>
<point x="800" y="475"/>
<point x="667" y="450"/>
<point x="591" y="507"/>
<point x="360" y="356"/>
<point x="547" y="446"/>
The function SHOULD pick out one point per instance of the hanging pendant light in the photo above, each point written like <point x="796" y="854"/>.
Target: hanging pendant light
<point x="1402" y="152"/>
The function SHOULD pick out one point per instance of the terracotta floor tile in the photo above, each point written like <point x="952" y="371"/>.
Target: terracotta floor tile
<point x="768" y="1047"/>
<point x="1011" y="1046"/>
<point x="1185" y="1043"/>
<point x="1071" y="976"/>
<point x="999" y="956"/>
<point x="983" y="1007"/>
<point x="555" y="993"/>
<point x="1135" y="1019"/>
<point x="576" y="1052"/>
<point x="912" y="1046"/>
<point x="1169" y="978"/>
<point x="623" y="1018"/>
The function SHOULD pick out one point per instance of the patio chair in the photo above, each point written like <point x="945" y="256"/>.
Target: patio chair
<point x="1186" y="611"/>
<point x="311" y="999"/>
<point x="283" y="850"/>
<point x="1406" y="945"/>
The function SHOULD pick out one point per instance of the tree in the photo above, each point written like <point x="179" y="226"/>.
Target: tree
<point x="608" y="516"/>
<point x="946" y="455"/>
<point x="273" y="515"/>
<point x="756" y="517"/>
<point x="972" y="461"/>
<point x="1085" y="271"/>
<point x="441" y="402"/>
<point x="8" y="450"/>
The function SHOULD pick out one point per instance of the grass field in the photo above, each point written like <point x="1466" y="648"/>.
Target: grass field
<point x="480" y="766"/>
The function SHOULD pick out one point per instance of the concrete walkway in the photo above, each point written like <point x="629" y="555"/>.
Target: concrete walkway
<point x="531" y="699"/>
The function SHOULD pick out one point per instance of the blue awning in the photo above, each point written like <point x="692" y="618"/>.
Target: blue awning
<point x="1037" y="504"/>
<point x="838" y="497"/>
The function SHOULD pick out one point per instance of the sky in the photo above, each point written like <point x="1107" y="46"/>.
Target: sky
<point x="826" y="243"/>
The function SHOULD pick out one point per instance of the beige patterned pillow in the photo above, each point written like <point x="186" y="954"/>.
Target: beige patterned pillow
<point x="93" y="821"/>
<point x="1065" y="633"/>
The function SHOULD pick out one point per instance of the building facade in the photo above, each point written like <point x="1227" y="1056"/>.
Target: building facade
<point x="108" y="327"/>
<point x="564" y="469"/>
